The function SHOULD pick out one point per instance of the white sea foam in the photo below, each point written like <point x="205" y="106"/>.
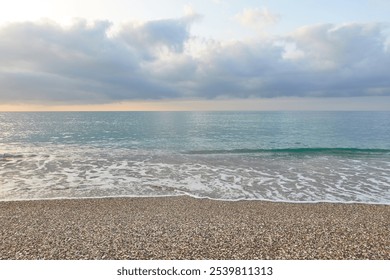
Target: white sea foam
<point x="74" y="171"/>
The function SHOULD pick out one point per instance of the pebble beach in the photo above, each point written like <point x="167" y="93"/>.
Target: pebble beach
<point x="188" y="228"/>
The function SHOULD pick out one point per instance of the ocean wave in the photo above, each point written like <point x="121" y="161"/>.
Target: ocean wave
<point x="300" y="151"/>
<point x="10" y="156"/>
<point x="294" y="179"/>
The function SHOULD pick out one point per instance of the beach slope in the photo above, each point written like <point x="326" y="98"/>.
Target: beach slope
<point x="188" y="228"/>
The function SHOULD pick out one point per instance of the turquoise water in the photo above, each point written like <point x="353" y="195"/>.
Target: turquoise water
<point x="280" y="156"/>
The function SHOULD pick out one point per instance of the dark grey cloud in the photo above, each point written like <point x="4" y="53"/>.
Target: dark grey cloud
<point x="323" y="60"/>
<point x="88" y="63"/>
<point x="155" y="36"/>
<point x="44" y="61"/>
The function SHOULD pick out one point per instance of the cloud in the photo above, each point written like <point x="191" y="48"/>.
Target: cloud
<point x="44" y="61"/>
<point x="323" y="60"/>
<point x="257" y="18"/>
<point x="88" y="63"/>
<point x="159" y="35"/>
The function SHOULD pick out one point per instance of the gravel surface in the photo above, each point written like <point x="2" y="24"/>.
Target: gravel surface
<point x="188" y="228"/>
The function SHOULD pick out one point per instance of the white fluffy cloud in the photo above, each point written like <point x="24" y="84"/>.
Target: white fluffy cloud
<point x="88" y="63"/>
<point x="257" y="18"/>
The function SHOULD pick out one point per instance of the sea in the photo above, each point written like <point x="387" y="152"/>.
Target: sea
<point x="305" y="157"/>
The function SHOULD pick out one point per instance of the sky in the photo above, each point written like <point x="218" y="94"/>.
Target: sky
<point x="194" y="55"/>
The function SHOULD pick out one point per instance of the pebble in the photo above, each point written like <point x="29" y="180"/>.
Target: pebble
<point x="189" y="228"/>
